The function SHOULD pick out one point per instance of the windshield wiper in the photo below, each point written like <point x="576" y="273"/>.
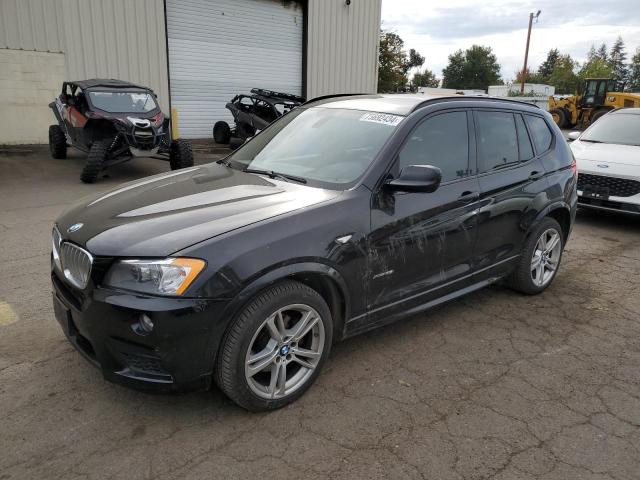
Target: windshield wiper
<point x="272" y="174"/>
<point x="591" y="141"/>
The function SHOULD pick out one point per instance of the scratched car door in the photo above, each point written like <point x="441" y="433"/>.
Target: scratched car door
<point x="421" y="244"/>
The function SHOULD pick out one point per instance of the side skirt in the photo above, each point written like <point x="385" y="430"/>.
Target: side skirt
<point x="360" y="325"/>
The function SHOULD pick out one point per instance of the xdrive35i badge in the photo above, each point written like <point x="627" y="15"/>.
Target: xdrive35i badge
<point x="75" y="227"/>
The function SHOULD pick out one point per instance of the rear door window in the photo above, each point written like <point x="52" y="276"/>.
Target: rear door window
<point x="524" y="142"/>
<point x="542" y="136"/>
<point x="440" y="141"/>
<point x="497" y="140"/>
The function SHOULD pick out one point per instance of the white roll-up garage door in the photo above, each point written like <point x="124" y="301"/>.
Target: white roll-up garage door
<point x="219" y="48"/>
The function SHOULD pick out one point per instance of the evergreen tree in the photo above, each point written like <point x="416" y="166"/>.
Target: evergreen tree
<point x="602" y="52"/>
<point x="546" y="67"/>
<point x="617" y="60"/>
<point x="634" y="72"/>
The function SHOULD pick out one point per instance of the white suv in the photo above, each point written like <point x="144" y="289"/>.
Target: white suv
<point x="608" y="157"/>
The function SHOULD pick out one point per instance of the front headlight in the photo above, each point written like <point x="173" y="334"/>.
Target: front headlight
<point x="171" y="276"/>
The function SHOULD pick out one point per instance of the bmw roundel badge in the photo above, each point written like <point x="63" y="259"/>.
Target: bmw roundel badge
<point x="75" y="227"/>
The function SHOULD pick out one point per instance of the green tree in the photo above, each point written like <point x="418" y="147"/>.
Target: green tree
<point x="563" y="76"/>
<point x="596" y="68"/>
<point x="415" y="59"/>
<point x="546" y="67"/>
<point x="602" y="52"/>
<point x="393" y="62"/>
<point x="454" y="72"/>
<point x="634" y="72"/>
<point x="618" y="61"/>
<point x="530" y="77"/>
<point x="425" y="79"/>
<point x="475" y="68"/>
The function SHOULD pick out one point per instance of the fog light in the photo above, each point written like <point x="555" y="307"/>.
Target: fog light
<point x="146" y="323"/>
<point x="143" y="326"/>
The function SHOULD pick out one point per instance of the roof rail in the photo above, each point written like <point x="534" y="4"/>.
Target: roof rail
<point x="335" y="95"/>
<point x="471" y="98"/>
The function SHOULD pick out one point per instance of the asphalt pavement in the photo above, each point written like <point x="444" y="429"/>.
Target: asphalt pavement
<point x="496" y="385"/>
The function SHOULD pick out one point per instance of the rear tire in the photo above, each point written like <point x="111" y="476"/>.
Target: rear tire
<point x="57" y="142"/>
<point x="95" y="160"/>
<point x="559" y="117"/>
<point x="180" y="154"/>
<point x="282" y="328"/>
<point x="221" y="132"/>
<point x="537" y="267"/>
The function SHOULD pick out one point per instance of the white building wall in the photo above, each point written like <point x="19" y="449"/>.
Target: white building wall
<point x="29" y="80"/>
<point x="342" y="40"/>
<point x="122" y="39"/>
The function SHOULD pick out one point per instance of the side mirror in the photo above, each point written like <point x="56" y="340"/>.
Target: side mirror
<point x="416" y="178"/>
<point x="573" y="136"/>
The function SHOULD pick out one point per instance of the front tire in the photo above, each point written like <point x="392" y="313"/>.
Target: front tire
<point x="180" y="154"/>
<point x="540" y="259"/>
<point x="275" y="348"/>
<point x="95" y="160"/>
<point x="57" y="142"/>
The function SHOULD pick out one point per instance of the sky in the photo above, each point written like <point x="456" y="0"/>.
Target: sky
<point x="437" y="29"/>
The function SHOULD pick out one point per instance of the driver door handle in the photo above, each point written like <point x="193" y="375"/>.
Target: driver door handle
<point x="535" y="175"/>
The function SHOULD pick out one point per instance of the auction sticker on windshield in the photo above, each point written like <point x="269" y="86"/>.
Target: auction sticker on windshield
<point x="382" y="118"/>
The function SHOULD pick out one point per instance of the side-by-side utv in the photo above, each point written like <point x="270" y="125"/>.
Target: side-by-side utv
<point x="113" y="121"/>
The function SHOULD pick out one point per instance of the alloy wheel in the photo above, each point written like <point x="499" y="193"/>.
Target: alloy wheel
<point x="546" y="257"/>
<point x="284" y="351"/>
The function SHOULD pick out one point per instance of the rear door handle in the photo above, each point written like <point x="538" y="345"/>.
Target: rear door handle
<point x="469" y="195"/>
<point x="535" y="175"/>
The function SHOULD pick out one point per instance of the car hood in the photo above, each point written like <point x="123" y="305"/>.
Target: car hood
<point x="160" y="215"/>
<point x="607" y="152"/>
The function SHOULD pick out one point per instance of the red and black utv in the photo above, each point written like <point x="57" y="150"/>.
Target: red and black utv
<point x="113" y="121"/>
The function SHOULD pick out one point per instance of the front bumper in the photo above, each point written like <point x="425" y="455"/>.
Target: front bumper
<point x="102" y="324"/>
<point x="630" y="205"/>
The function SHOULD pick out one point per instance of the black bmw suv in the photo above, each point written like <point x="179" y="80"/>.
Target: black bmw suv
<point x="345" y="214"/>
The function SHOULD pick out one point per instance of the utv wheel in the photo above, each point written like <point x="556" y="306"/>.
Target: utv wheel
<point x="559" y="117"/>
<point x="95" y="160"/>
<point x="180" y="154"/>
<point x="540" y="260"/>
<point x="275" y="348"/>
<point x="221" y="132"/>
<point x="57" y="142"/>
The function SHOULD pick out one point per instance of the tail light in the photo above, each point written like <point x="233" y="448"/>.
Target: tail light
<point x="574" y="166"/>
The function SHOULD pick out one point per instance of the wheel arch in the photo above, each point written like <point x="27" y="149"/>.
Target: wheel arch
<point x="322" y="278"/>
<point x="561" y="213"/>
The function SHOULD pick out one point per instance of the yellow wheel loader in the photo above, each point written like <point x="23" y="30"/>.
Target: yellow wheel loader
<point x="599" y="95"/>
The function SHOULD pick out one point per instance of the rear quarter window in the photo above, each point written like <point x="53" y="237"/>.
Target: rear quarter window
<point x="542" y="135"/>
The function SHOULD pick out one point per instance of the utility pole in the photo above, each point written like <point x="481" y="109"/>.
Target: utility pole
<point x="526" y="52"/>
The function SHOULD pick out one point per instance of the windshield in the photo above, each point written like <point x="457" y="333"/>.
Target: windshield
<point x="620" y="128"/>
<point x="330" y="146"/>
<point x="123" y="102"/>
